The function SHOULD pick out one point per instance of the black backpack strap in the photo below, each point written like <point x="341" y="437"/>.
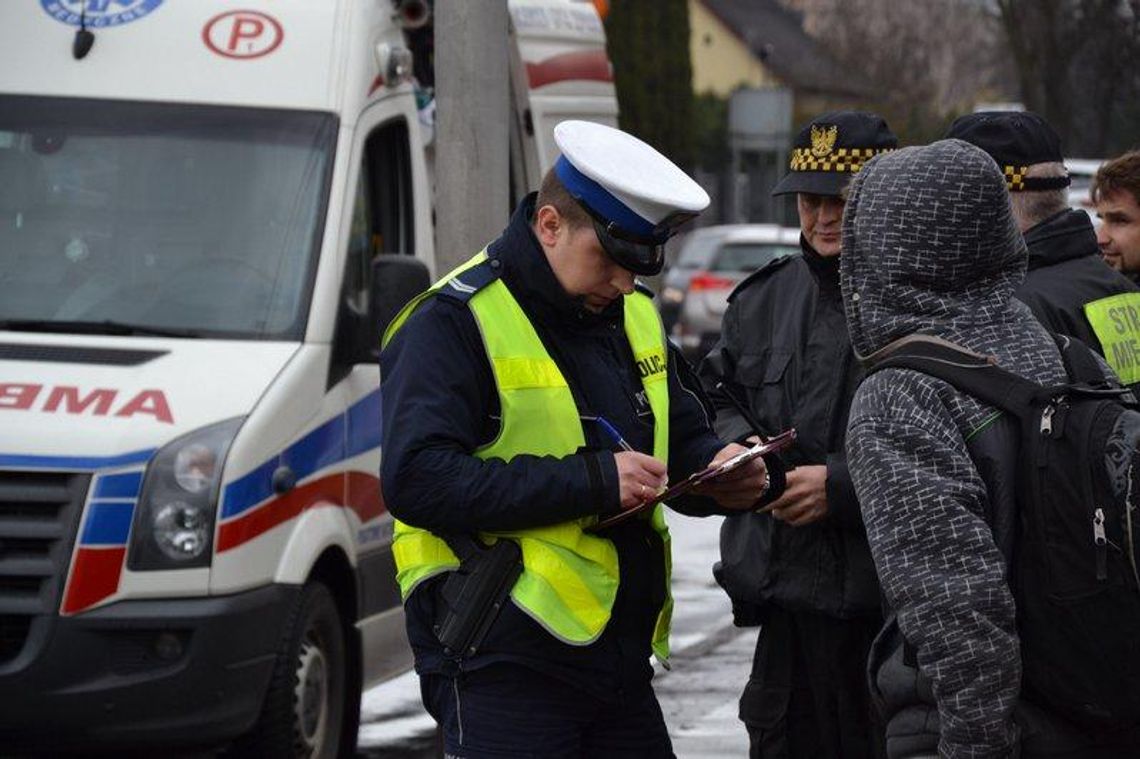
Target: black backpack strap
<point x="969" y="372"/>
<point x="1080" y="362"/>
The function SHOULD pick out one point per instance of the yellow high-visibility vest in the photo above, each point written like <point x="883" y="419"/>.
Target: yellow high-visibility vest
<point x="570" y="578"/>
<point x="1116" y="322"/>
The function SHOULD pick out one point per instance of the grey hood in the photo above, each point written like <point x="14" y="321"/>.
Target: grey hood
<point x="929" y="239"/>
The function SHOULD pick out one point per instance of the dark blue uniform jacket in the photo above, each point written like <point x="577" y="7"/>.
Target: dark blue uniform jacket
<point x="440" y="404"/>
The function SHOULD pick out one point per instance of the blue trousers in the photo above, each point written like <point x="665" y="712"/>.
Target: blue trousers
<point x="507" y="710"/>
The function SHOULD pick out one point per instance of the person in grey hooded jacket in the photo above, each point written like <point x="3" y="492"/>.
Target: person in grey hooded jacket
<point x="930" y="246"/>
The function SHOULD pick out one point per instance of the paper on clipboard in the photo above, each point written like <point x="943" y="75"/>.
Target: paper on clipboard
<point x="776" y="443"/>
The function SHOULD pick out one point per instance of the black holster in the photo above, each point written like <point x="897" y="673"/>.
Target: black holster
<point x="474" y="593"/>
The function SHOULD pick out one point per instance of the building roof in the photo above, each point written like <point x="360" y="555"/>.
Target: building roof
<point x="776" y="36"/>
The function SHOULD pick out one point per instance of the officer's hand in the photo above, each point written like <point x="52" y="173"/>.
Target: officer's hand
<point x="805" y="498"/>
<point x="640" y="477"/>
<point x="741" y="488"/>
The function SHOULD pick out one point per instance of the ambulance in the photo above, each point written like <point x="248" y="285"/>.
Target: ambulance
<point x="209" y="211"/>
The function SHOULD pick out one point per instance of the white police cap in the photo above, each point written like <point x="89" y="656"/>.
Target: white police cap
<point x="636" y="196"/>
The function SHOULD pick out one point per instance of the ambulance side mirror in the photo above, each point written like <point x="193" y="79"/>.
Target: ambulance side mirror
<point x="396" y="279"/>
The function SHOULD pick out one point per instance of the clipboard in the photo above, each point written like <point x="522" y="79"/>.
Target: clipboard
<point x="776" y="443"/>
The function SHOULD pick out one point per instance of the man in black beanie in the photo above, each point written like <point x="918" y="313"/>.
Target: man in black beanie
<point x="1068" y="286"/>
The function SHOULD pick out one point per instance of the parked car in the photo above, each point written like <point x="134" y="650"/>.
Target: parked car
<point x="697" y="249"/>
<point x="733" y="252"/>
<point x="1081" y="172"/>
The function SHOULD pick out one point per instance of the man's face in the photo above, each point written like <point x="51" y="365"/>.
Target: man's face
<point x="582" y="267"/>
<point x="821" y="220"/>
<point x="1119" y="232"/>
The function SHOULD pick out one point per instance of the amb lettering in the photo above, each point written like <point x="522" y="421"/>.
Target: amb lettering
<point x="1125" y="319"/>
<point x="650" y="365"/>
<point x="1125" y="351"/>
<point x="65" y="399"/>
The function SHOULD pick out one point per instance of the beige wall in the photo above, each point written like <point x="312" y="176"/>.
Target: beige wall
<point x="721" y="60"/>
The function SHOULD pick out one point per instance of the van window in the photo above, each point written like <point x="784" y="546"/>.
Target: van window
<point x="382" y="220"/>
<point x="198" y="219"/>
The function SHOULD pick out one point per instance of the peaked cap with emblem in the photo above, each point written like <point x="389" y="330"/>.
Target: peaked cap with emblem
<point x="1016" y="140"/>
<point x="832" y="148"/>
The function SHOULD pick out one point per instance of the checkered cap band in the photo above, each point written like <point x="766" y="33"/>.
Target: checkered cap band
<point x="1015" y="176"/>
<point x="838" y="160"/>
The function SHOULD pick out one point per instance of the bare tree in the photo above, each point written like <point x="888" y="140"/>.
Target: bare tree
<point x="933" y="59"/>
<point x="1076" y="62"/>
<point x="1077" y="65"/>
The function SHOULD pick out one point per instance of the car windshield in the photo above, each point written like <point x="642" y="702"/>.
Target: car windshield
<point x="698" y="249"/>
<point x="158" y="218"/>
<point x="749" y="256"/>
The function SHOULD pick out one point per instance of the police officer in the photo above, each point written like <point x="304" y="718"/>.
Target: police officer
<point x="528" y="393"/>
<point x="1068" y="286"/>
<point x="803" y="570"/>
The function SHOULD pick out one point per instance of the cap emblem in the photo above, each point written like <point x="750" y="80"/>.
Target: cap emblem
<point x="823" y="140"/>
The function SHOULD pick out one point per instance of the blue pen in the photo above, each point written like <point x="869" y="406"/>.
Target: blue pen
<point x="611" y="430"/>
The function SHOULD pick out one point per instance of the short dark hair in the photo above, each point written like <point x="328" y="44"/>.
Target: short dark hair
<point x="1120" y="174"/>
<point x="553" y="193"/>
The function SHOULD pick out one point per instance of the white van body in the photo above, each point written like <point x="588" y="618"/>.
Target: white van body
<point x="189" y="424"/>
<point x="559" y="70"/>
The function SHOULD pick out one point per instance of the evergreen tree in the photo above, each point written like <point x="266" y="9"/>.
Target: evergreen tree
<point x="648" y="44"/>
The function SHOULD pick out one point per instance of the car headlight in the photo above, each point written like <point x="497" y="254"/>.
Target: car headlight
<point x="174" y="522"/>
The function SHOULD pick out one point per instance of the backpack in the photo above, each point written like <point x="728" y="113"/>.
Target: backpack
<point x="1073" y="572"/>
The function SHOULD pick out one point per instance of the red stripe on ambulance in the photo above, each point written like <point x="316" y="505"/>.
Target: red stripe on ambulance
<point x="591" y="65"/>
<point x="355" y="490"/>
<point x="94" y="576"/>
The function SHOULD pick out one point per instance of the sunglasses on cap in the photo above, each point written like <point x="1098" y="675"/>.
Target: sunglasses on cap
<point x="640" y="254"/>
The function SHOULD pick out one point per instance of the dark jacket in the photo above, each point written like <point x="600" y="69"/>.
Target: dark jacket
<point x="930" y="246"/>
<point x="1066" y="272"/>
<point x="441" y="404"/>
<point x="784" y="352"/>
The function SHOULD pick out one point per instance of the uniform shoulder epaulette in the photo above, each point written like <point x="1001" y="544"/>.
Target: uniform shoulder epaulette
<point x="463" y="286"/>
<point x="644" y="289"/>
<point x="759" y="274"/>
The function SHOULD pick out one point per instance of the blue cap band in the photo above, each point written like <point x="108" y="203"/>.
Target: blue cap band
<point x="600" y="200"/>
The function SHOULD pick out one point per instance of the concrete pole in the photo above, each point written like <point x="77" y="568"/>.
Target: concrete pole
<point x="472" y="181"/>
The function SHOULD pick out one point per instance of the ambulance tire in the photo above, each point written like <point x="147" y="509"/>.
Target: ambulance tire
<point x="303" y="714"/>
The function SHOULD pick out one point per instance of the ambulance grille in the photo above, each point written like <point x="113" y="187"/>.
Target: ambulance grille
<point x="39" y="512"/>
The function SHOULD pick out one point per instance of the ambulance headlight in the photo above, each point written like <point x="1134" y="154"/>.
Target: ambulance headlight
<point x="174" y="520"/>
<point x="195" y="467"/>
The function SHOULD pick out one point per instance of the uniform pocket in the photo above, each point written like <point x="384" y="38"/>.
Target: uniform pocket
<point x="746" y="553"/>
<point x="767" y="368"/>
<point x="764" y="707"/>
<point x="764" y="711"/>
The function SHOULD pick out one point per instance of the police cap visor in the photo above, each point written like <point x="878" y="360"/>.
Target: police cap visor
<point x="640" y="254"/>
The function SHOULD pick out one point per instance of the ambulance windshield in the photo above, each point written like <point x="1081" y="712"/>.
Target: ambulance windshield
<point x="195" y="219"/>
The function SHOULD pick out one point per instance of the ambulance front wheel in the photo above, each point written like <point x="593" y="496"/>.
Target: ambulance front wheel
<point x="304" y="711"/>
